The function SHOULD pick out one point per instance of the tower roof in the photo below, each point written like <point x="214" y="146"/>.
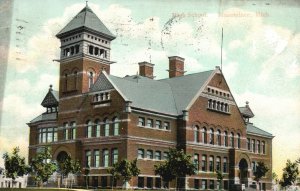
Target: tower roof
<point x="87" y="20"/>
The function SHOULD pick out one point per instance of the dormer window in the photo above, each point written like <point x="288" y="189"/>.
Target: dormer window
<point x="218" y="106"/>
<point x="102" y="97"/>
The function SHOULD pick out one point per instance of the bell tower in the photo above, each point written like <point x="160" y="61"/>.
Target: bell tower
<point x="85" y="52"/>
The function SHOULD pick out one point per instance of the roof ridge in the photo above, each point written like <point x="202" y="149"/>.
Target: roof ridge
<point x="186" y="75"/>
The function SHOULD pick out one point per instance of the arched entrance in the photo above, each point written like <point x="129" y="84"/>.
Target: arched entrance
<point x="62" y="156"/>
<point x="243" y="166"/>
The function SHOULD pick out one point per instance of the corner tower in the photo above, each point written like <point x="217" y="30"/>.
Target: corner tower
<point x="85" y="52"/>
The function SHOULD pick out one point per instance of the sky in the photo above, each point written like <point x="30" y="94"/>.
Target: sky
<point x="261" y="56"/>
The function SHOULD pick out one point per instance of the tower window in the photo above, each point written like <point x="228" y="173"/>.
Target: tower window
<point x="66" y="82"/>
<point x="91" y="49"/>
<point x="76" y="49"/>
<point x="91" y="79"/>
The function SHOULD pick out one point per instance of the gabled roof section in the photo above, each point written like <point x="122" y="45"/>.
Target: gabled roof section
<point x="246" y="111"/>
<point x="86" y="19"/>
<point x="185" y="88"/>
<point x="102" y="84"/>
<point x="51" y="99"/>
<point x="251" y="129"/>
<point x="168" y="96"/>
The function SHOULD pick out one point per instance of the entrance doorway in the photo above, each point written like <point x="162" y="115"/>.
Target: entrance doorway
<point x="243" y="166"/>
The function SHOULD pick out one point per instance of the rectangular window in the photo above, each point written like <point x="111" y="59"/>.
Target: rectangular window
<point x="73" y="133"/>
<point x="263" y="147"/>
<point x="141" y="121"/>
<point x="141" y="153"/>
<point x="258" y="146"/>
<point x="105" y="158"/>
<point x="54" y="134"/>
<point x="149" y="182"/>
<point x="196" y="161"/>
<point x="158" y="124"/>
<point x="103" y="181"/>
<point x="149" y="154"/>
<point x="203" y="163"/>
<point x="253" y="166"/>
<point x="115" y="156"/>
<point x="196" y="183"/>
<point x="204" y="184"/>
<point x="166" y="125"/>
<point x="218" y="163"/>
<point x="96" y="158"/>
<point x="225" y="184"/>
<point x="211" y="184"/>
<point x="253" y="145"/>
<point x="157" y="155"/>
<point x="149" y="122"/>
<point x="225" y="165"/>
<point x="165" y="156"/>
<point x="66" y="134"/>
<point x="88" y="158"/>
<point x="248" y="144"/>
<point x="49" y="135"/>
<point x="141" y="182"/>
<point x="157" y="182"/>
<point x="73" y="130"/>
<point x="211" y="163"/>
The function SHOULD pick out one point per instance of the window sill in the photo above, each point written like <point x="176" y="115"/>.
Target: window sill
<point x="154" y="128"/>
<point x="218" y="111"/>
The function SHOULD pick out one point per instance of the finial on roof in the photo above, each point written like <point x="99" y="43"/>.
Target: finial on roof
<point x="50" y="89"/>
<point x="247" y="103"/>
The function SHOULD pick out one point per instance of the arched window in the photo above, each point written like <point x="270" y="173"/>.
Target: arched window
<point x="89" y="129"/>
<point x="196" y="134"/>
<point x="116" y="125"/>
<point x="238" y="140"/>
<point x="214" y="104"/>
<point x="211" y="136"/>
<point x="75" y="80"/>
<point x="232" y="139"/>
<point x="219" y="137"/>
<point x="225" y="139"/>
<point x="97" y="128"/>
<point x="218" y="105"/>
<point x="204" y="135"/>
<point x="91" y="79"/>
<point x="66" y="82"/>
<point x="106" y="127"/>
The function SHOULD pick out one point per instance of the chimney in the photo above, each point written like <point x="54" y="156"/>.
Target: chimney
<point x="146" y="69"/>
<point x="176" y="66"/>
